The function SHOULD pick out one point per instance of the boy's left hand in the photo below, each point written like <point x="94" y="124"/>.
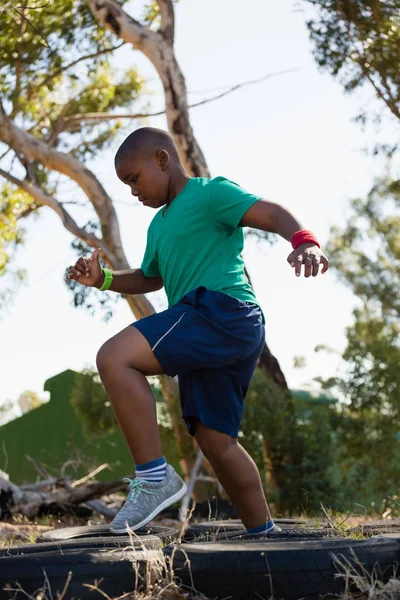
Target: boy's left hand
<point x="311" y="257"/>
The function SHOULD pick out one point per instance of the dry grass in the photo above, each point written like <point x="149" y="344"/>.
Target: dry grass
<point x="369" y="585"/>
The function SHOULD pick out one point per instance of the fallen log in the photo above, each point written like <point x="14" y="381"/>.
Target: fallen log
<point x="36" y="499"/>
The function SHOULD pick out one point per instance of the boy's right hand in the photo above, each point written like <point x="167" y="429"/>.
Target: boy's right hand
<point x="87" y="270"/>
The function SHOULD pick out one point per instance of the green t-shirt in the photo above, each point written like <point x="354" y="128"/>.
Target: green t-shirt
<point x="198" y="241"/>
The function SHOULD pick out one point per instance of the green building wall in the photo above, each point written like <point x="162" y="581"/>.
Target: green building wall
<point x="52" y="435"/>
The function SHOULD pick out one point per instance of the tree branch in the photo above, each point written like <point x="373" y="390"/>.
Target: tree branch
<point x="167" y="28"/>
<point x="82" y="117"/>
<point x="75" y="62"/>
<point x="388" y="100"/>
<point x="18" y="72"/>
<point x="34" y="149"/>
<point x="43" y="198"/>
<point x="236" y="87"/>
<point x="115" y="19"/>
<point x="362" y="60"/>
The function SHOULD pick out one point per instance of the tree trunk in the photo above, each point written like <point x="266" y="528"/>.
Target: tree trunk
<point x="271" y="366"/>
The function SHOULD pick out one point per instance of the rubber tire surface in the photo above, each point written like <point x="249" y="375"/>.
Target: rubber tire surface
<point x="213" y="531"/>
<point x="197" y="529"/>
<point x="115" y="569"/>
<point x="379" y="526"/>
<point x="252" y="569"/>
<point x="146" y="542"/>
<point x="166" y="534"/>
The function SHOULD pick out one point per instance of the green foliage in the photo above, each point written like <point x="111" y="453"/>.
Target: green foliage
<point x="366" y="257"/>
<point x="359" y="40"/>
<point x="92" y="405"/>
<point x="37" y="43"/>
<point x="311" y="479"/>
<point x="93" y="408"/>
<point x="13" y="203"/>
<point x="367" y="463"/>
<point x="302" y="458"/>
<point x="56" y="69"/>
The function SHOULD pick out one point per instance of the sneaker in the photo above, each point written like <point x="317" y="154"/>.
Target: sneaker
<point x="146" y="499"/>
<point x="256" y="536"/>
<point x="265" y="534"/>
<point x="275" y="529"/>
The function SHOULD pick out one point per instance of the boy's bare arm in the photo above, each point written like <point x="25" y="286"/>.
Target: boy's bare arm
<point x="87" y="270"/>
<point x="132" y="281"/>
<point x="269" y="216"/>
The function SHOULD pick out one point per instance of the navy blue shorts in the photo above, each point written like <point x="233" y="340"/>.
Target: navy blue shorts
<point x="212" y="341"/>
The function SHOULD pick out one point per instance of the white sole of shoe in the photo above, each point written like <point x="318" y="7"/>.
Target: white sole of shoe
<point x="160" y="508"/>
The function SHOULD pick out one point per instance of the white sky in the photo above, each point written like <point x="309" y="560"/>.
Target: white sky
<point x="290" y="139"/>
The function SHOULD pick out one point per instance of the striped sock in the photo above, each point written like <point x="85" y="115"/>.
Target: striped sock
<point x="265" y="528"/>
<point x="154" y="471"/>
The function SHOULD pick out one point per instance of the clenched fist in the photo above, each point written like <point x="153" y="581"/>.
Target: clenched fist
<point x="87" y="270"/>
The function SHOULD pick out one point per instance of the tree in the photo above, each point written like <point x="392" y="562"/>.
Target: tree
<point x="366" y="255"/>
<point x="359" y="41"/>
<point x="295" y="464"/>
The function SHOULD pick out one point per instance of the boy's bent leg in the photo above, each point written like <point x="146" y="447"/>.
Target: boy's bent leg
<point x="122" y="362"/>
<point x="237" y="473"/>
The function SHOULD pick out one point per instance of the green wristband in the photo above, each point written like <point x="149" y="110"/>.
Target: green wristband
<point x="107" y="280"/>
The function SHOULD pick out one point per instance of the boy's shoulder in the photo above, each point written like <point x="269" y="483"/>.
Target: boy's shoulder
<point x="219" y="184"/>
<point x="213" y="181"/>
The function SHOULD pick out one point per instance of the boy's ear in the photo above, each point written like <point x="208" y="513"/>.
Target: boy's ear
<point x="163" y="159"/>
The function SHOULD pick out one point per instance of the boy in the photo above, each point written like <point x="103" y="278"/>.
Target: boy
<point x="211" y="335"/>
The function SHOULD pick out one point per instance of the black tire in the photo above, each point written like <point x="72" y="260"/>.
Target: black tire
<point x="214" y="530"/>
<point x="286" y="535"/>
<point x="251" y="569"/>
<point x="166" y="534"/>
<point x="145" y="542"/>
<point x="377" y="527"/>
<point x="115" y="572"/>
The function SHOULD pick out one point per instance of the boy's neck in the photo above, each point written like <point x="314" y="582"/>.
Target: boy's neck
<point x="179" y="179"/>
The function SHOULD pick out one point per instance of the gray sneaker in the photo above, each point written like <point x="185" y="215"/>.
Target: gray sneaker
<point x="146" y="499"/>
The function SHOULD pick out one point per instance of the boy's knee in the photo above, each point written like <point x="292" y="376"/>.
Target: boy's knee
<point x="107" y="357"/>
<point x="103" y="358"/>
<point x="212" y="442"/>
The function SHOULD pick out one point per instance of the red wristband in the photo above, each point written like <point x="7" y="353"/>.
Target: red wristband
<point x="304" y="237"/>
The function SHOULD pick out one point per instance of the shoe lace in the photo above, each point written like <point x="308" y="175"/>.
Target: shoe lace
<point x="135" y="487"/>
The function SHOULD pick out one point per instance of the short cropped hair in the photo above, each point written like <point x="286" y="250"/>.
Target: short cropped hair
<point x="146" y="141"/>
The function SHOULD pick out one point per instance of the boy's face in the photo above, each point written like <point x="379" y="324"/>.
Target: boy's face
<point x="147" y="178"/>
